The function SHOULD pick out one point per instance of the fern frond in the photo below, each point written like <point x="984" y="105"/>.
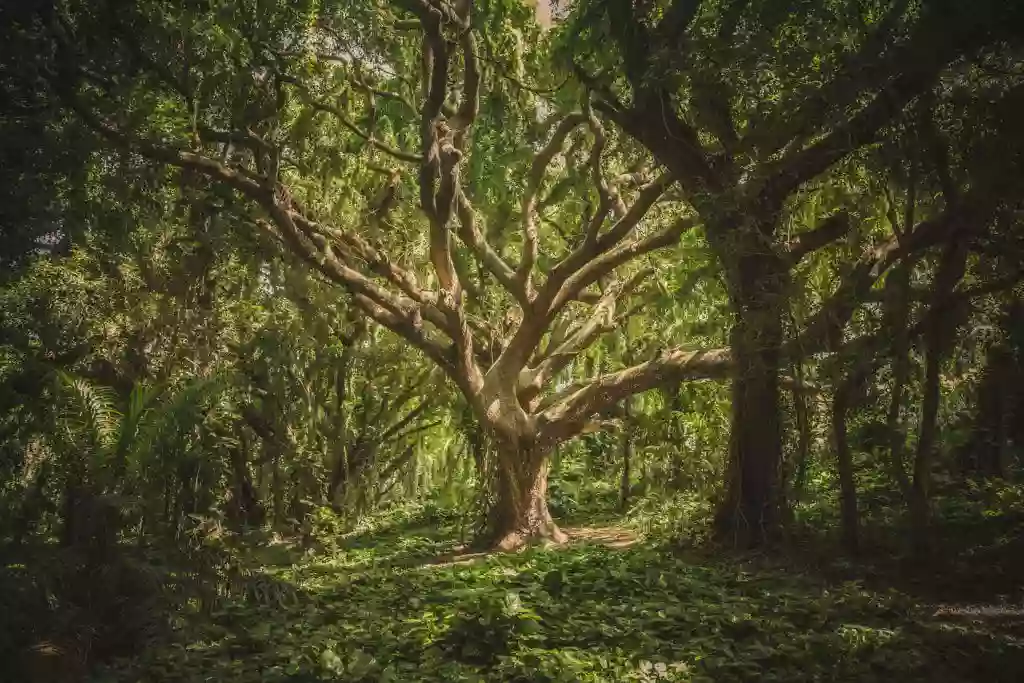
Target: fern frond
<point x="89" y="412"/>
<point x="167" y="422"/>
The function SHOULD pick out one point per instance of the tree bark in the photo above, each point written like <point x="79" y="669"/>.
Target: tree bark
<point x="937" y="336"/>
<point x="803" y="443"/>
<point x="749" y="514"/>
<point x="897" y="290"/>
<point x="991" y="430"/>
<point x="920" y="491"/>
<point x="520" y="513"/>
<point x="849" y="517"/>
<point x="627" y="456"/>
<point x="250" y="507"/>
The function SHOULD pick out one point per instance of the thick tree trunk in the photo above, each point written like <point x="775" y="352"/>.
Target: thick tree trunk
<point x="520" y="514"/>
<point x="749" y="514"/>
<point x="991" y="430"/>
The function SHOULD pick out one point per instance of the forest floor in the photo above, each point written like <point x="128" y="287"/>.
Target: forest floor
<point x="409" y="603"/>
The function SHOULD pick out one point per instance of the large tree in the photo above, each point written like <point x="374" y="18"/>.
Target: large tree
<point x="754" y="108"/>
<point x="425" y="157"/>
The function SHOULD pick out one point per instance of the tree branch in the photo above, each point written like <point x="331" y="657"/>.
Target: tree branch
<point x="831" y="229"/>
<point x="538" y="167"/>
<point x="568" y="412"/>
<point x="927" y="56"/>
<point x="352" y="127"/>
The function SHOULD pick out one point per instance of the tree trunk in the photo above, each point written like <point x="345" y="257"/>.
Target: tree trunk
<point x="676" y="406"/>
<point x="920" y="491"/>
<point x="841" y="402"/>
<point x="749" y="514"/>
<point x="277" y="482"/>
<point x="803" y="438"/>
<point x="520" y="514"/>
<point x="938" y="333"/>
<point x="627" y="456"/>
<point x="897" y="286"/>
<point x="991" y="429"/>
<point x="250" y="508"/>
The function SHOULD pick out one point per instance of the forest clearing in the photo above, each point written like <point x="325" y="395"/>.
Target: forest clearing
<point x="482" y="340"/>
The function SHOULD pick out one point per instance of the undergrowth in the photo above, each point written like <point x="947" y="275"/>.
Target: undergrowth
<point x="381" y="605"/>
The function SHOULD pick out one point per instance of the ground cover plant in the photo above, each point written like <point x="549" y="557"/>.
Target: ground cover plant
<point x="399" y="604"/>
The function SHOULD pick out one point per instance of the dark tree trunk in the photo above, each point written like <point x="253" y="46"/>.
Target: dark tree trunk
<point x="250" y="508"/>
<point x="749" y="514"/>
<point x="337" y="484"/>
<point x="277" y="482"/>
<point x="897" y="286"/>
<point x="897" y="318"/>
<point x="803" y="438"/>
<point x="849" y="517"/>
<point x="520" y="514"/>
<point x="991" y="432"/>
<point x="920" y="492"/>
<point x="938" y="333"/>
<point x="69" y="514"/>
<point x="187" y="472"/>
<point x="352" y="462"/>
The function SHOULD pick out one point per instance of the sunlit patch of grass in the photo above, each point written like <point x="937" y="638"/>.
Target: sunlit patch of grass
<point x="379" y="610"/>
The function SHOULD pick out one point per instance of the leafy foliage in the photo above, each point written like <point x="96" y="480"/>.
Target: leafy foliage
<point x="300" y="302"/>
<point x="379" y="609"/>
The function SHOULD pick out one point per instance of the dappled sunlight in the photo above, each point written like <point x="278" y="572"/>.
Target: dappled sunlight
<point x="588" y="611"/>
<point x="564" y="341"/>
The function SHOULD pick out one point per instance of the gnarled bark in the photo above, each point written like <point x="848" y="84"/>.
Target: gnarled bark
<point x="520" y="514"/>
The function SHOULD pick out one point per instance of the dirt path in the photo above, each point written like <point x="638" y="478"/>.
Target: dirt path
<point x="610" y="536"/>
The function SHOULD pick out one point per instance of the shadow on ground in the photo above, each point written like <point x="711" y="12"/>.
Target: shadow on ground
<point x="388" y="607"/>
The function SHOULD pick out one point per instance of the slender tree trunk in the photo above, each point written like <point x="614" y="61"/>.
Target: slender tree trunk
<point x="920" y="492"/>
<point x="675" y="399"/>
<point x="627" y="456"/>
<point x="749" y="514"/>
<point x="249" y="504"/>
<point x="337" y="485"/>
<point x="937" y="336"/>
<point x="897" y="287"/>
<point x="69" y="509"/>
<point x="841" y="403"/>
<point x="277" y="482"/>
<point x="803" y="438"/>
<point x="897" y="314"/>
<point x="520" y="513"/>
